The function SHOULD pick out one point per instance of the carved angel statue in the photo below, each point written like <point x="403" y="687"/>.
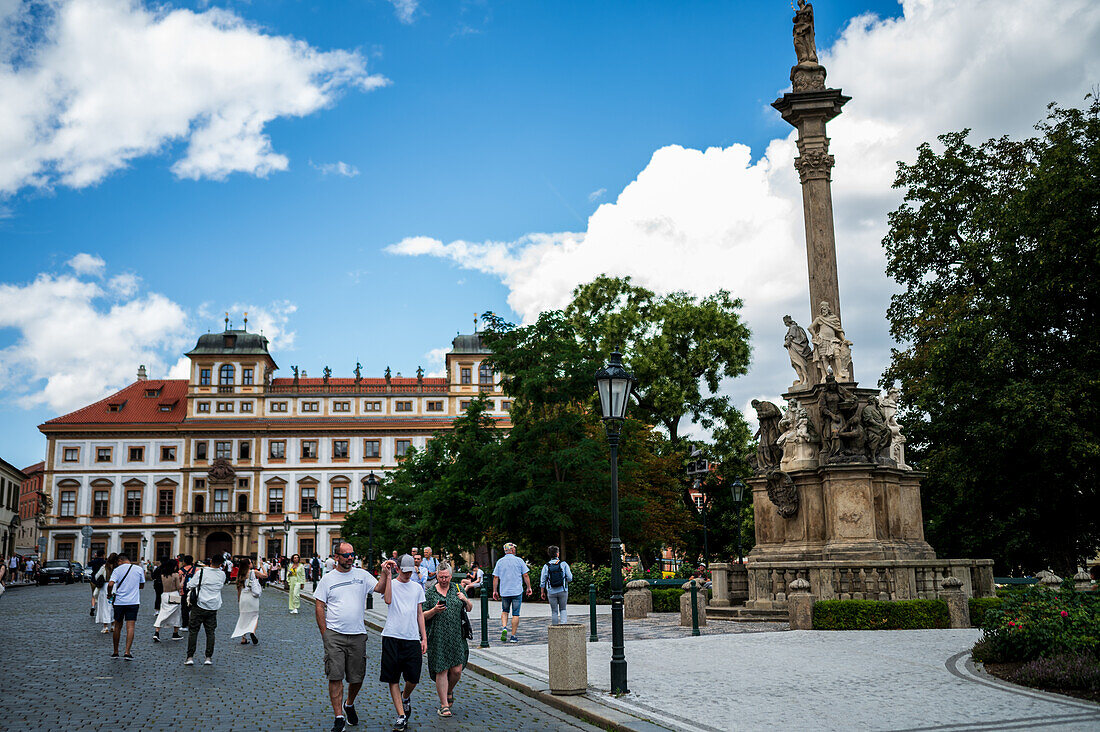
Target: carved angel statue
<point x="805" y="47"/>
<point x="889" y="405"/>
<point x="358" y="372"/>
<point x="388" y="374"/>
<point x="419" y="374"/>
<point x="797" y="344"/>
<point x="832" y="351"/>
<point x="768" y="453"/>
<point x="326" y="374"/>
<point x="799" y="439"/>
<point x="295" y="375"/>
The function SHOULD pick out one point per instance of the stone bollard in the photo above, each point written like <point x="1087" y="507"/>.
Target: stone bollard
<point x="1050" y="581"/>
<point x="638" y="602"/>
<point x="685" y="605"/>
<point x="568" y="659"/>
<point x="1082" y="581"/>
<point x="958" y="609"/>
<point x="719" y="584"/>
<point x="800" y="605"/>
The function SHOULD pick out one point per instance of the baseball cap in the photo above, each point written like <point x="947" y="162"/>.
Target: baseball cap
<point x="405" y="563"/>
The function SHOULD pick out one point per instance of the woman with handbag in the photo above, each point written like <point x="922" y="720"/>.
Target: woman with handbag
<point x="171" y="583"/>
<point x="448" y="651"/>
<point x="295" y="578"/>
<point x="104" y="610"/>
<point x="248" y="601"/>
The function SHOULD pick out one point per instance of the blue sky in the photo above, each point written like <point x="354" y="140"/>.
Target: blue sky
<point x="464" y="122"/>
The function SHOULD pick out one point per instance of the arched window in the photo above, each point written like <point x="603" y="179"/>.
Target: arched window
<point x="225" y="375"/>
<point x="200" y="504"/>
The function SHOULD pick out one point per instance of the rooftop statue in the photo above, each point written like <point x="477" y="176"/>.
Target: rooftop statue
<point x="805" y="47"/>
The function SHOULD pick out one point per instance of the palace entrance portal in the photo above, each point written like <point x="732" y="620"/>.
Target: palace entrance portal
<point x="217" y="543"/>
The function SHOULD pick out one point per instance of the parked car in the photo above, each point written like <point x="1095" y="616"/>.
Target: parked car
<point x="78" y="570"/>
<point x="57" y="570"/>
<point x="87" y="574"/>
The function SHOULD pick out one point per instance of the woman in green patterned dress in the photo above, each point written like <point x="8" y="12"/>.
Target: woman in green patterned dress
<point x="447" y="648"/>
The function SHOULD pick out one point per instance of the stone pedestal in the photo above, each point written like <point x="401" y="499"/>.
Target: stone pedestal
<point x="638" y="601"/>
<point x="1082" y="581"/>
<point x="719" y="579"/>
<point x="685" y="605"/>
<point x="958" y="609"/>
<point x="800" y="605"/>
<point x="568" y="659"/>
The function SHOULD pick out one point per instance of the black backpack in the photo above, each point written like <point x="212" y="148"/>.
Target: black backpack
<point x="555" y="575"/>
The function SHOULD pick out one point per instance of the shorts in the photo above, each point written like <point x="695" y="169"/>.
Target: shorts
<point x="125" y="612"/>
<point x="510" y="604"/>
<point x="345" y="656"/>
<point x="400" y="657"/>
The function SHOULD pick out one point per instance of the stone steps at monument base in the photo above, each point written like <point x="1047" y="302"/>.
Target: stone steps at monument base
<point x="743" y="614"/>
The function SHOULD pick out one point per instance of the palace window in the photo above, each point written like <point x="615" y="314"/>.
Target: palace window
<point x="305" y="546"/>
<point x="466" y="372"/>
<point x="200" y="450"/>
<point x="242" y="503"/>
<point x="464" y="404"/>
<point x="246" y="377"/>
<point x="242" y="483"/>
<point x="372" y="406"/>
<point x="103" y="454"/>
<point x="168" y="453"/>
<point x="339" y="448"/>
<point x="274" y="500"/>
<point x="309" y="498"/>
<point x="309" y="449"/>
<point x="485" y="374"/>
<point x="203" y="407"/>
<point x="223" y="449"/>
<point x="200" y="504"/>
<point x="101" y="501"/>
<point x="166" y="502"/>
<point x="163" y="550"/>
<point x="506" y="406"/>
<point x="114" y="407"/>
<point x="167" y="406"/>
<point x="246" y="406"/>
<point x="130" y="549"/>
<point x="225" y="375"/>
<point x="402" y="406"/>
<point x="204" y="377"/>
<point x="133" y="502"/>
<point x="68" y="504"/>
<point x="310" y="406"/>
<point x="278" y="406"/>
<point x="225" y="406"/>
<point x="72" y="454"/>
<point x="371" y="448"/>
<point x="64" y="550"/>
<point x="277" y="449"/>
<point x="244" y="450"/>
<point x="221" y="500"/>
<point x="137" y="454"/>
<point x="152" y="392"/>
<point x="435" y="406"/>
<point x="340" y="498"/>
<point x="341" y="406"/>
<point x="400" y="447"/>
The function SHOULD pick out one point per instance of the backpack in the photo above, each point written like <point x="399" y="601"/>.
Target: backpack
<point x="555" y="575"/>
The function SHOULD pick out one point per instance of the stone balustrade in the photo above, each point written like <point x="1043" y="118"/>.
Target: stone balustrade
<point x="217" y="517"/>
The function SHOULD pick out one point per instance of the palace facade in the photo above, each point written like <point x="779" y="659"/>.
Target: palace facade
<point x="218" y="461"/>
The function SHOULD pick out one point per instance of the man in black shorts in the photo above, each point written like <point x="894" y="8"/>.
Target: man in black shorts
<point x="404" y="639"/>
<point x="124" y="590"/>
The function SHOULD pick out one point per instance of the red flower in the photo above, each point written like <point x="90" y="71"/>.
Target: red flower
<point x="1011" y="624"/>
<point x="1065" y="614"/>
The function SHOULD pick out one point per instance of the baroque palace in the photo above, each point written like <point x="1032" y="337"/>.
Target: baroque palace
<point x="216" y="463"/>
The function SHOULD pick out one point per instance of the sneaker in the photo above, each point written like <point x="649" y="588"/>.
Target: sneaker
<point x="128" y="657"/>
<point x="177" y="636"/>
<point x="156" y="638"/>
<point x="503" y="634"/>
<point x="189" y="662"/>
<point x="352" y="717"/>
<point x="513" y="639"/>
<point x="401" y="724"/>
<point x="208" y="662"/>
<point x="91" y="612"/>
<point x="338" y="725"/>
<point x="114" y="655"/>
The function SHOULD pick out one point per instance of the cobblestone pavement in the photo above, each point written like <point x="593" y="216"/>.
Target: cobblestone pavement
<point x="57" y="674"/>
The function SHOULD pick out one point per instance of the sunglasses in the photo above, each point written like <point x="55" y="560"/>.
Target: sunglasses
<point x="348" y="555"/>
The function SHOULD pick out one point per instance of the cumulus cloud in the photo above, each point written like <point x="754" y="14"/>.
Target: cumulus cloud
<point x="87" y="264"/>
<point x="89" y="85"/>
<point x="404" y="9"/>
<point x="437" y="362"/>
<point x="703" y="220"/>
<point x="338" y="168"/>
<point x="272" y="319"/>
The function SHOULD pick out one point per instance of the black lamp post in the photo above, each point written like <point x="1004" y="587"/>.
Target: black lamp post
<point x="144" y="548"/>
<point x="370" y="494"/>
<point x="697" y="468"/>
<point x="614" y="384"/>
<point x="315" y="509"/>
<point x="737" y="491"/>
<point x="286" y="535"/>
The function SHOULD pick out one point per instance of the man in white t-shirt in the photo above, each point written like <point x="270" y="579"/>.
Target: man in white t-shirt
<point x="124" y="592"/>
<point x="330" y="564"/>
<point x="207" y="580"/>
<point x="341" y="599"/>
<point x="404" y="638"/>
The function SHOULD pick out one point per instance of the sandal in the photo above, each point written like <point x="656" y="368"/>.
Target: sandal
<point x="444" y="712"/>
<point x="450" y="700"/>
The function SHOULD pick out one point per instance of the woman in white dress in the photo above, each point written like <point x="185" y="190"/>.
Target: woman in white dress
<point x="104" y="610"/>
<point x="170" y="600"/>
<point x="248" y="601"/>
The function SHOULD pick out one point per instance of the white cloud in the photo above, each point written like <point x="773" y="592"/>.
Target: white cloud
<point x="87" y="264"/>
<point x="704" y="220"/>
<point x="89" y="85"/>
<point x="124" y="284"/>
<point x="437" y="362"/>
<point x="596" y="195"/>
<point x="338" y="168"/>
<point x="272" y="319"/>
<point x="404" y="9"/>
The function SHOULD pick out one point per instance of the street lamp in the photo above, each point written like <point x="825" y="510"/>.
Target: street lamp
<point x="737" y="491"/>
<point x="370" y="494"/>
<point x="697" y="468"/>
<point x="286" y="534"/>
<point x="144" y="547"/>
<point x="315" y="509"/>
<point x="614" y="384"/>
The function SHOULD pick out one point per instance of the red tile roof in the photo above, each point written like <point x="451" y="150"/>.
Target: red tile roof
<point x="38" y="467"/>
<point x="136" y="408"/>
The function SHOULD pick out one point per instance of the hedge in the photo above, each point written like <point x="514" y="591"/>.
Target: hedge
<point x="666" y="600"/>
<point x="979" y="606"/>
<point x="880" y="614"/>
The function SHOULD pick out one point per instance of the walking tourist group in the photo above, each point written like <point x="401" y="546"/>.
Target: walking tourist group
<point x="427" y="616"/>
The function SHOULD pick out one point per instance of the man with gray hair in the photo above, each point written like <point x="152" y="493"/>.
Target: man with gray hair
<point x="509" y="577"/>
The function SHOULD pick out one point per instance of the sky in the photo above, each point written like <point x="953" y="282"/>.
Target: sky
<point x="362" y="177"/>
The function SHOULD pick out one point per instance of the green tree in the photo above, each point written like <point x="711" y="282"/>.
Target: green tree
<point x="997" y="249"/>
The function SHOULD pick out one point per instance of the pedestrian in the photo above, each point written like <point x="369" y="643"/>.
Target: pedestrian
<point x="421" y="574"/>
<point x="158" y="584"/>
<point x="94" y="565"/>
<point x="13" y="568"/>
<point x="431" y="564"/>
<point x="315" y="571"/>
<point x="124" y="591"/>
<point x="404" y="638"/>
<point x="4" y="573"/>
<point x="448" y="650"/>
<point x="28" y="574"/>
<point x="554" y="583"/>
<point x="204" y="599"/>
<point x="330" y="564"/>
<point x="340" y="599"/>
<point x="187" y="569"/>
<point x="473" y="579"/>
<point x="104" y="612"/>
<point x="509" y="577"/>
<point x="248" y="601"/>
<point x="171" y="582"/>
<point x="295" y="578"/>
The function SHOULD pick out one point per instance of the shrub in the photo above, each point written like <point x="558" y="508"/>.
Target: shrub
<point x="585" y="574"/>
<point x="1079" y="671"/>
<point x="979" y="606"/>
<point x="1040" y="623"/>
<point x="666" y="600"/>
<point x="880" y="614"/>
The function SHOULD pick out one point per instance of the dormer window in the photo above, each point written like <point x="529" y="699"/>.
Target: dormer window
<point x="115" y="407"/>
<point x="225" y="375"/>
<point x="167" y="406"/>
<point x="230" y="341"/>
<point x="152" y="392"/>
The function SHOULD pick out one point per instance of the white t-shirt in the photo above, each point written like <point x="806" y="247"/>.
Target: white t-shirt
<point x="330" y="564"/>
<point x="127" y="591"/>
<point x="405" y="598"/>
<point x="345" y="598"/>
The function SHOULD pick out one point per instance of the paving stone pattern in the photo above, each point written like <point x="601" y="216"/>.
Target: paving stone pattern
<point x="58" y="675"/>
